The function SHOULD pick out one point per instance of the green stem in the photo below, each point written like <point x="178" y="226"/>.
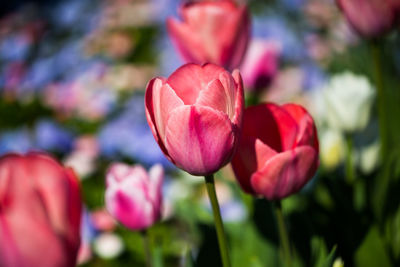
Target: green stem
<point x="377" y="59"/>
<point x="217" y="220"/>
<point x="146" y="247"/>
<point x="283" y="235"/>
<point x="349" y="160"/>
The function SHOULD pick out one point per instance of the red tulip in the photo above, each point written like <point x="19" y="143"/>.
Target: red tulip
<point x="370" y="18"/>
<point x="211" y="31"/>
<point x="40" y="209"/>
<point x="195" y="116"/>
<point x="278" y="150"/>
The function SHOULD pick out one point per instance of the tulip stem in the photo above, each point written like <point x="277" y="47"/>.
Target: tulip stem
<point x="283" y="235"/>
<point x="217" y="220"/>
<point x="146" y="247"/>
<point x="377" y="59"/>
<point x="349" y="160"/>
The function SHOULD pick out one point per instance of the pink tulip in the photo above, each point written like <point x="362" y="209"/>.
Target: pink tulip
<point x="370" y="18"/>
<point x="133" y="196"/>
<point x="211" y="31"/>
<point x="40" y="212"/>
<point x="195" y="116"/>
<point x="260" y="63"/>
<point x="278" y="150"/>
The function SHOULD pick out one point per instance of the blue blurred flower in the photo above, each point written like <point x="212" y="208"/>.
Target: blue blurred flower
<point x="233" y="211"/>
<point x="69" y="56"/>
<point x="18" y="141"/>
<point x="129" y="135"/>
<point x="75" y="15"/>
<point x="293" y="5"/>
<point x="51" y="136"/>
<point x="41" y="72"/>
<point x="88" y="231"/>
<point x="276" y="28"/>
<point x="314" y="76"/>
<point x="14" y="47"/>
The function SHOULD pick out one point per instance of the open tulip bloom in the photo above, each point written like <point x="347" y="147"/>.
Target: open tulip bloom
<point x="195" y="116"/>
<point x="278" y="150"/>
<point x="211" y="31"/>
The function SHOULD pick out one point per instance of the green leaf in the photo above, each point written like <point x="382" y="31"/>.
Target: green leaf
<point x="372" y="251"/>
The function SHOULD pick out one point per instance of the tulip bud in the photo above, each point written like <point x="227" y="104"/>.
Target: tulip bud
<point x="278" y="150"/>
<point x="370" y="18"/>
<point x="260" y="64"/>
<point x="40" y="212"/>
<point x="211" y="31"/>
<point x="195" y="116"/>
<point x="133" y="196"/>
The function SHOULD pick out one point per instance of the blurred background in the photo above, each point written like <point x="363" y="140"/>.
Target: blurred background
<point x="72" y="81"/>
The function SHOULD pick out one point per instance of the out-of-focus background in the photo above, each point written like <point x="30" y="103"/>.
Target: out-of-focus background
<point x="72" y="81"/>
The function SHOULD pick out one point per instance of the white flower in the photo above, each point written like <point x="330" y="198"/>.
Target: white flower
<point x="348" y="99"/>
<point x="369" y="157"/>
<point x="108" y="246"/>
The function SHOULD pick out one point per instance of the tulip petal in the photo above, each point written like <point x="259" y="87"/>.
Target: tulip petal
<point x="189" y="45"/>
<point x="118" y="172"/>
<point x="230" y="90"/>
<point x="156" y="175"/>
<point x="307" y="134"/>
<point x="188" y="80"/>
<point x="214" y="96"/>
<point x="30" y="221"/>
<point x="250" y="156"/>
<point x="130" y="206"/>
<point x="164" y="101"/>
<point x="377" y="17"/>
<point x="239" y="99"/>
<point x="277" y="130"/>
<point x="160" y="99"/>
<point x="223" y="29"/>
<point x="235" y="44"/>
<point x="286" y="173"/>
<point x="194" y="13"/>
<point x="199" y="139"/>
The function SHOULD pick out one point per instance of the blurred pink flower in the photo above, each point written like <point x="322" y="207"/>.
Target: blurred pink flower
<point x="102" y="220"/>
<point x="370" y="18"/>
<point x="14" y="74"/>
<point x="211" y="32"/>
<point x="40" y="212"/>
<point x="84" y="253"/>
<point x="260" y="63"/>
<point x="85" y="96"/>
<point x="133" y="195"/>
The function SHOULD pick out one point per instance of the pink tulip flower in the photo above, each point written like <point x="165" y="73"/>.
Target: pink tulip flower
<point x="133" y="196"/>
<point x="370" y="18"/>
<point x="211" y="31"/>
<point x="260" y="64"/>
<point x="40" y="212"/>
<point x="278" y="150"/>
<point x="195" y="116"/>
